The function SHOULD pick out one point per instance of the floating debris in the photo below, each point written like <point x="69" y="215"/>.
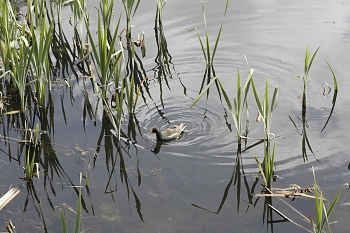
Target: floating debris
<point x="4" y="200"/>
<point x="294" y="190"/>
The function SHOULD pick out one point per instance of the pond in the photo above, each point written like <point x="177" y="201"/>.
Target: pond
<point x="198" y="182"/>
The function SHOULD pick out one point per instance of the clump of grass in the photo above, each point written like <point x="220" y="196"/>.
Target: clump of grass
<point x="240" y="104"/>
<point x="41" y="41"/>
<point x="308" y="61"/>
<point x="320" y="209"/>
<point x="106" y="57"/>
<point x="15" y="50"/>
<point x="265" y="111"/>
<point x="20" y="65"/>
<point x="307" y="66"/>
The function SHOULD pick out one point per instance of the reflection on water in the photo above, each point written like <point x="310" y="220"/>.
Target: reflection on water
<point x="203" y="181"/>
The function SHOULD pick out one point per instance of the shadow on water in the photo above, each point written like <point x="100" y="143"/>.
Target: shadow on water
<point x="77" y="63"/>
<point x="236" y="180"/>
<point x="111" y="142"/>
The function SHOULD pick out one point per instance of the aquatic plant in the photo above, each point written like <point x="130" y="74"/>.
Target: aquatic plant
<point x="307" y="66"/>
<point x="15" y="51"/>
<point x="78" y="213"/>
<point x="30" y="154"/>
<point x="8" y="33"/>
<point x="240" y="104"/>
<point x="266" y="168"/>
<point x="208" y="55"/>
<point x="78" y="8"/>
<point x="130" y="8"/>
<point x="41" y="41"/>
<point x="320" y="209"/>
<point x="265" y="113"/>
<point x="20" y="65"/>
<point x="106" y="56"/>
<point x="335" y="94"/>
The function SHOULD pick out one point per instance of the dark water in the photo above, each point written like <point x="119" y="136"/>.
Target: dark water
<point x="188" y="185"/>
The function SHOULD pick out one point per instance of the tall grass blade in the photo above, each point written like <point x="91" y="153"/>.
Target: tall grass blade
<point x="219" y="33"/>
<point x="209" y="58"/>
<point x="63" y="222"/>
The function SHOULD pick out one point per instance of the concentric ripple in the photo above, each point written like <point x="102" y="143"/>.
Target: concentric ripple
<point x="207" y="132"/>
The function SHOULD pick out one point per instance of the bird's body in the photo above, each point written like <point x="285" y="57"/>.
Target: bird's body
<point x="173" y="132"/>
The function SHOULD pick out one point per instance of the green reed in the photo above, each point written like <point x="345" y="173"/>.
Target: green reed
<point x="130" y="8"/>
<point x="240" y="104"/>
<point x="15" y="50"/>
<point x="265" y="109"/>
<point x="307" y="66"/>
<point x="106" y="56"/>
<point x="335" y="84"/>
<point x="8" y="33"/>
<point x="30" y="154"/>
<point x="208" y="55"/>
<point x="265" y="112"/>
<point x="20" y="65"/>
<point x="41" y="41"/>
<point x="106" y="7"/>
<point x="78" y="213"/>
<point x="320" y="209"/>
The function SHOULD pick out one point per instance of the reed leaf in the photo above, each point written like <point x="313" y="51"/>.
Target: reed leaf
<point x="335" y="83"/>
<point x="20" y="60"/>
<point x="43" y="33"/>
<point x="263" y="107"/>
<point x="63" y="222"/>
<point x="209" y="58"/>
<point x="320" y="208"/>
<point x="105" y="55"/>
<point x="219" y="33"/>
<point x="239" y="103"/>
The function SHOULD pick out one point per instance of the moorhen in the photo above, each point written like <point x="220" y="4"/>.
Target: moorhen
<point x="173" y="132"/>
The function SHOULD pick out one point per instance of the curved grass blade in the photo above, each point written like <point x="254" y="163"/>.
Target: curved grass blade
<point x="334" y="96"/>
